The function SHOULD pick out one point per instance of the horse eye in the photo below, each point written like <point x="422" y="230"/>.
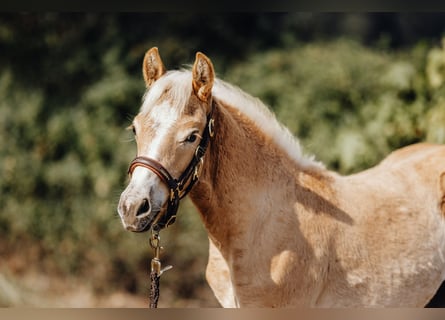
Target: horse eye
<point x="132" y="128"/>
<point x="191" y="138"/>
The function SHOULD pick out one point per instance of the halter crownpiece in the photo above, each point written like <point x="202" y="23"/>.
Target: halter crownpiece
<point x="180" y="187"/>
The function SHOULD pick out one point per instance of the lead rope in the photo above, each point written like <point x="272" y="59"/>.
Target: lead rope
<point x="156" y="271"/>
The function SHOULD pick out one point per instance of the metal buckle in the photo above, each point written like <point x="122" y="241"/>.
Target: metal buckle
<point x="198" y="169"/>
<point x="173" y="192"/>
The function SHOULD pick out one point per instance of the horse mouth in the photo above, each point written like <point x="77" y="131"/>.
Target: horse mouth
<point x="143" y="224"/>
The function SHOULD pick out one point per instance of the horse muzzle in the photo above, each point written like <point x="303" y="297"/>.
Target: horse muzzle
<point x="138" y="214"/>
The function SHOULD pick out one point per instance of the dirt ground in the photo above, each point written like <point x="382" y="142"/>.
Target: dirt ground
<point x="23" y="284"/>
<point x="40" y="290"/>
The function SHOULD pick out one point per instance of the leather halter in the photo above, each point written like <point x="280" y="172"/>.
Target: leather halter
<point x="180" y="187"/>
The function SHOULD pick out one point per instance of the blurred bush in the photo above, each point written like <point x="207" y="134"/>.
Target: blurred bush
<point x="70" y="85"/>
<point x="348" y="104"/>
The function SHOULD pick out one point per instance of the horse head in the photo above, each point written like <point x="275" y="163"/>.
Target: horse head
<point x="172" y="131"/>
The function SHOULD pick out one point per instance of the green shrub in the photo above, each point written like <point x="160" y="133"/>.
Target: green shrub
<point x="348" y="104"/>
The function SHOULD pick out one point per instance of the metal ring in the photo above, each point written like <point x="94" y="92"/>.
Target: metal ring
<point x="211" y="127"/>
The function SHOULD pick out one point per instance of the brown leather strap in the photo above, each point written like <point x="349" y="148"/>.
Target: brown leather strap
<point x="155" y="167"/>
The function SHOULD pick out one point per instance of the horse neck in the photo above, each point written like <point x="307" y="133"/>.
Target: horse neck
<point x="246" y="179"/>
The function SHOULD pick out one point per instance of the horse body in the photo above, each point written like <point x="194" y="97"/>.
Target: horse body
<point x="283" y="230"/>
<point x="307" y="236"/>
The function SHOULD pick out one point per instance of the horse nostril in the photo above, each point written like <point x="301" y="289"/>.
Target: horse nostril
<point x="144" y="208"/>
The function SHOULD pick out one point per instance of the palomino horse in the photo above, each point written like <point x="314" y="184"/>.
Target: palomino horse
<point x="283" y="230"/>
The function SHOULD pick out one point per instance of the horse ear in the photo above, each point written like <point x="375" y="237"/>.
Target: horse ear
<point x="152" y="67"/>
<point x="203" y="76"/>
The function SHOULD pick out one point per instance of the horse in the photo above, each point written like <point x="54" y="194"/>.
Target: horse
<point x="283" y="230"/>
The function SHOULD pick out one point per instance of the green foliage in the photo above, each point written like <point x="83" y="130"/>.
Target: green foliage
<point x="70" y="85"/>
<point x="348" y="104"/>
<point x="60" y="174"/>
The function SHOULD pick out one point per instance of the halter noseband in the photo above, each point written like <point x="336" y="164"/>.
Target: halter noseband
<point x="180" y="187"/>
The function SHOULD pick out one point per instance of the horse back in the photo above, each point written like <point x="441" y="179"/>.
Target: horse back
<point x="415" y="153"/>
<point x="424" y="162"/>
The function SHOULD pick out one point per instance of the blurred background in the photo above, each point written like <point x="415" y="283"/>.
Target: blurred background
<point x="351" y="86"/>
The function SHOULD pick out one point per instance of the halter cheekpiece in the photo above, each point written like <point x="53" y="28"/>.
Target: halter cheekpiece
<point x="180" y="187"/>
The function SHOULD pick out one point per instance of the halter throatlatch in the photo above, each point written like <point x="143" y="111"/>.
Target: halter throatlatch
<point x="178" y="188"/>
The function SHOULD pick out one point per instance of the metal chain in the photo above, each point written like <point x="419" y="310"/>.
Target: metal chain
<point x="155" y="267"/>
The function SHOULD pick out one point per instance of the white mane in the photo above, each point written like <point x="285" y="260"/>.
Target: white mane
<point x="180" y="86"/>
<point x="260" y="114"/>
